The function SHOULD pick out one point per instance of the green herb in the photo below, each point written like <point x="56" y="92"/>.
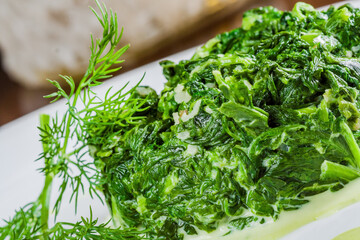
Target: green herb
<point x="69" y="164"/>
<point x="258" y="120"/>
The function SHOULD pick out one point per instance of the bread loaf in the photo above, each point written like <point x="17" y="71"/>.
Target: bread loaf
<point x="40" y="38"/>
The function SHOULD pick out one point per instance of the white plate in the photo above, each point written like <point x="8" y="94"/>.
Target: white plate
<point x="21" y="183"/>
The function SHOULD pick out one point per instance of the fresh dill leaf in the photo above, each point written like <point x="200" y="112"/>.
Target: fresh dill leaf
<point x="26" y="225"/>
<point x="71" y="164"/>
<point x="104" y="55"/>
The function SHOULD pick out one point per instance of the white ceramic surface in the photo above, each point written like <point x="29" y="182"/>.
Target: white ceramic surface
<point x="20" y="182"/>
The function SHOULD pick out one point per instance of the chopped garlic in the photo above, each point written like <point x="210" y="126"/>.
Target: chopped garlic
<point x="349" y="54"/>
<point x="208" y="110"/>
<point x="355" y="48"/>
<point x="187" y="116"/>
<point x="210" y="85"/>
<point x="191" y="149"/>
<point x="176" y="117"/>
<point x="183" y="135"/>
<point x="181" y="95"/>
<point x="144" y="91"/>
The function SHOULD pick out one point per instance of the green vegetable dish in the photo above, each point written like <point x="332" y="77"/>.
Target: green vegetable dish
<point x="258" y="120"/>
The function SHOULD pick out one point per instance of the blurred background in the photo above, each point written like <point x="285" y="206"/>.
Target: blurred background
<point x="40" y="39"/>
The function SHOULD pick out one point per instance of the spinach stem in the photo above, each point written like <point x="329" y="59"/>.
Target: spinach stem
<point x="351" y="141"/>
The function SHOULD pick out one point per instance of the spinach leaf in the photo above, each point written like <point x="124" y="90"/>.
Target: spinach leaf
<point x="259" y="119"/>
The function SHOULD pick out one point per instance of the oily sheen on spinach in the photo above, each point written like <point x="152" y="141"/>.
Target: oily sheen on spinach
<point x="259" y="119"/>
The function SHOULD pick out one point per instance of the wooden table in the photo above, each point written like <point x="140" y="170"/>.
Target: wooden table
<point x="16" y="100"/>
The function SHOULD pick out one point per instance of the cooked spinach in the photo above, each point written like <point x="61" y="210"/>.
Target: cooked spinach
<point x="257" y="120"/>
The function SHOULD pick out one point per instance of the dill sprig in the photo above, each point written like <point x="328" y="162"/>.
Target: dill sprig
<point x="69" y="163"/>
<point x="71" y="166"/>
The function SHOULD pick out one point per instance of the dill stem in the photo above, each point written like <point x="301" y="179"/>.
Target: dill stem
<point x="44" y="198"/>
<point x="68" y="121"/>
